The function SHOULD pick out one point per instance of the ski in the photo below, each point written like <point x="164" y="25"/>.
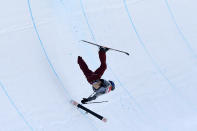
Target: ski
<point x="105" y="47"/>
<point x="88" y="110"/>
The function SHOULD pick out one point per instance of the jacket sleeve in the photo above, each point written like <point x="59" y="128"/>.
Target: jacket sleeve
<point x="97" y="93"/>
<point x="92" y="97"/>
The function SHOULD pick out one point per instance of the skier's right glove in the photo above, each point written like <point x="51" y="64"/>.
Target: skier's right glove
<point x="84" y="100"/>
<point x="105" y="49"/>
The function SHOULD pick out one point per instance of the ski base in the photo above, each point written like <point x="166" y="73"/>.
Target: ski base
<point x="105" y="47"/>
<point x="88" y="110"/>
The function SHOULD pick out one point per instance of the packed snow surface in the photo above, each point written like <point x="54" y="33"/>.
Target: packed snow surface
<point x="156" y="85"/>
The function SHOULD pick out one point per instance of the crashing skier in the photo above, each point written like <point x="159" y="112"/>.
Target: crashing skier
<point x="99" y="86"/>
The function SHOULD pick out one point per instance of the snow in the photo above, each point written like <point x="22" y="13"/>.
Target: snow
<point x="39" y="74"/>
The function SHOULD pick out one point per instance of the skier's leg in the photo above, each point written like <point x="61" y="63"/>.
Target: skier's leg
<point x="102" y="56"/>
<point x="86" y="71"/>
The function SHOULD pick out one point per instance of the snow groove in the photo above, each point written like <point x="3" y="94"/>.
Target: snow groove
<point x="43" y="48"/>
<point x="50" y="63"/>
<point x="143" y="45"/>
<point x="15" y="107"/>
<point x="186" y="41"/>
<point x="87" y="21"/>
<point x="173" y="87"/>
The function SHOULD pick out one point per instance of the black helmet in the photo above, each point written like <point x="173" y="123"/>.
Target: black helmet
<point x="113" y="85"/>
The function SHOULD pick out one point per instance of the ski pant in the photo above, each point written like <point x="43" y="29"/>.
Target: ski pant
<point x="90" y="75"/>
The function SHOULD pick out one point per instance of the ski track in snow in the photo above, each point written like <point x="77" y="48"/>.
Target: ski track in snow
<point x="49" y="61"/>
<point x="15" y="107"/>
<point x="156" y="65"/>
<point x="44" y="50"/>
<point x="188" y="44"/>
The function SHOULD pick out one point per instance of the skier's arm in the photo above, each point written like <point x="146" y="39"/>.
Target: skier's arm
<point x="97" y="93"/>
<point x="92" y="97"/>
<point x="88" y="99"/>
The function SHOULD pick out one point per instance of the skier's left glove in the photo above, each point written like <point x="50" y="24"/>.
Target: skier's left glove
<point x="84" y="100"/>
<point x="105" y="49"/>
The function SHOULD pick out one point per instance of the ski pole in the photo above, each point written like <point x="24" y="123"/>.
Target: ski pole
<point x="96" y="102"/>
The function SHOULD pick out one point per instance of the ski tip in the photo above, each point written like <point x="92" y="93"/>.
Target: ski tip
<point x="127" y="53"/>
<point x="104" y="120"/>
<point x="74" y="102"/>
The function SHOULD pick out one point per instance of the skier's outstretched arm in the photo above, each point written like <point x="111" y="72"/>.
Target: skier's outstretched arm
<point x="99" y="92"/>
<point x="85" y="100"/>
<point x="92" y="97"/>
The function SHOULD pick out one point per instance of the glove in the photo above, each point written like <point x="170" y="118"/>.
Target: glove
<point x="105" y="49"/>
<point x="84" y="100"/>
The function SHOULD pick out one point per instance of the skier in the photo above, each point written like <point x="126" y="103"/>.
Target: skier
<point x="99" y="86"/>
